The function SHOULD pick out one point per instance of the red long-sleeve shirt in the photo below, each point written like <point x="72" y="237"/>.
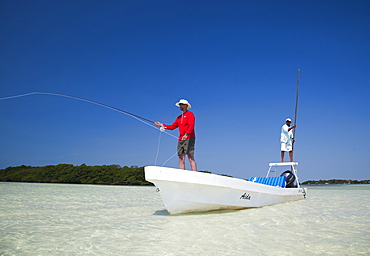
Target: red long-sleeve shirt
<point x="185" y="122"/>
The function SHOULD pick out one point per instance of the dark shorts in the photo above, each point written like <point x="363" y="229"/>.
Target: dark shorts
<point x="186" y="146"/>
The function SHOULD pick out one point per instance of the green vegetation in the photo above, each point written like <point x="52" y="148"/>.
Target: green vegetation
<point x="335" y="181"/>
<point x="83" y="174"/>
<point x="104" y="175"/>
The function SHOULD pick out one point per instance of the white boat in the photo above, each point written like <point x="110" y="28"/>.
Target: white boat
<point x="186" y="191"/>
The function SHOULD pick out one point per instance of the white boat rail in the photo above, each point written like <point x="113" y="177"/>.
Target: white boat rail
<point x="284" y="164"/>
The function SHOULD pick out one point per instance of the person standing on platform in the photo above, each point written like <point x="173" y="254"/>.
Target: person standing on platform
<point x="186" y="140"/>
<point x="286" y="139"/>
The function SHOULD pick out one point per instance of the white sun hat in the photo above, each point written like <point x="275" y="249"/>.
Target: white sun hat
<point x="182" y="101"/>
<point x="288" y="119"/>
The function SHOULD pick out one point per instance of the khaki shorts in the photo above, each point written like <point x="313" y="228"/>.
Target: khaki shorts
<point x="286" y="147"/>
<point x="186" y="147"/>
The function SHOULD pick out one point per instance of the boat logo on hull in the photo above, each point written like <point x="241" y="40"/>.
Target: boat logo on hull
<point x="245" y="196"/>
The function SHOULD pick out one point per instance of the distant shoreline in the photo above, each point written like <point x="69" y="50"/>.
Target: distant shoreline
<point x="82" y="174"/>
<point x="105" y="175"/>
<point x="335" y="182"/>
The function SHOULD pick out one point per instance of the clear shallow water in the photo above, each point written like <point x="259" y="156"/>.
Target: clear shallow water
<point x="59" y="219"/>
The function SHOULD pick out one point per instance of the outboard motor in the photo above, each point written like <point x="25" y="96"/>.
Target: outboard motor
<point x="290" y="179"/>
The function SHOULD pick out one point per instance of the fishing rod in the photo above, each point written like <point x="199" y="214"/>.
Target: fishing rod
<point x="137" y="117"/>
<point x="77" y="98"/>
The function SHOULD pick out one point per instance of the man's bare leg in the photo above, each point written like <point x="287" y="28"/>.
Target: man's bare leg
<point x="182" y="161"/>
<point x="193" y="164"/>
<point x="291" y="156"/>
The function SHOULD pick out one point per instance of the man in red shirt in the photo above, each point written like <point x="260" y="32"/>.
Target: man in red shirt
<point x="185" y="122"/>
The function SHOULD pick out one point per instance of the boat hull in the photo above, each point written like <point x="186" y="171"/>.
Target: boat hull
<point x="185" y="191"/>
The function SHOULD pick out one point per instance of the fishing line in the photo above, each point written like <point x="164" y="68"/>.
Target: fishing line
<point x="77" y="98"/>
<point x="139" y="118"/>
<point x="176" y="153"/>
<point x="159" y="143"/>
<point x="171" y="157"/>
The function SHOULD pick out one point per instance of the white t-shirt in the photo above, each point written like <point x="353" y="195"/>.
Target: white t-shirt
<point x="286" y="136"/>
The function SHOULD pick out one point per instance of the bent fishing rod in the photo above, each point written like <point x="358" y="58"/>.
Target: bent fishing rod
<point x="77" y="98"/>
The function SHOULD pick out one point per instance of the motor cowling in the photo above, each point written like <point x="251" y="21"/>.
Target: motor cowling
<point x="290" y="179"/>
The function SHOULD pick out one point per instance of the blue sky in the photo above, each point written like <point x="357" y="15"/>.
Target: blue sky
<point x="235" y="61"/>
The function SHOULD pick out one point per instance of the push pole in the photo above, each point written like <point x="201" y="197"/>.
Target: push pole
<point x="296" y="106"/>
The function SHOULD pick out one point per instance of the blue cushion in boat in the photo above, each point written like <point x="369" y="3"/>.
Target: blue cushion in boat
<point x="279" y="181"/>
